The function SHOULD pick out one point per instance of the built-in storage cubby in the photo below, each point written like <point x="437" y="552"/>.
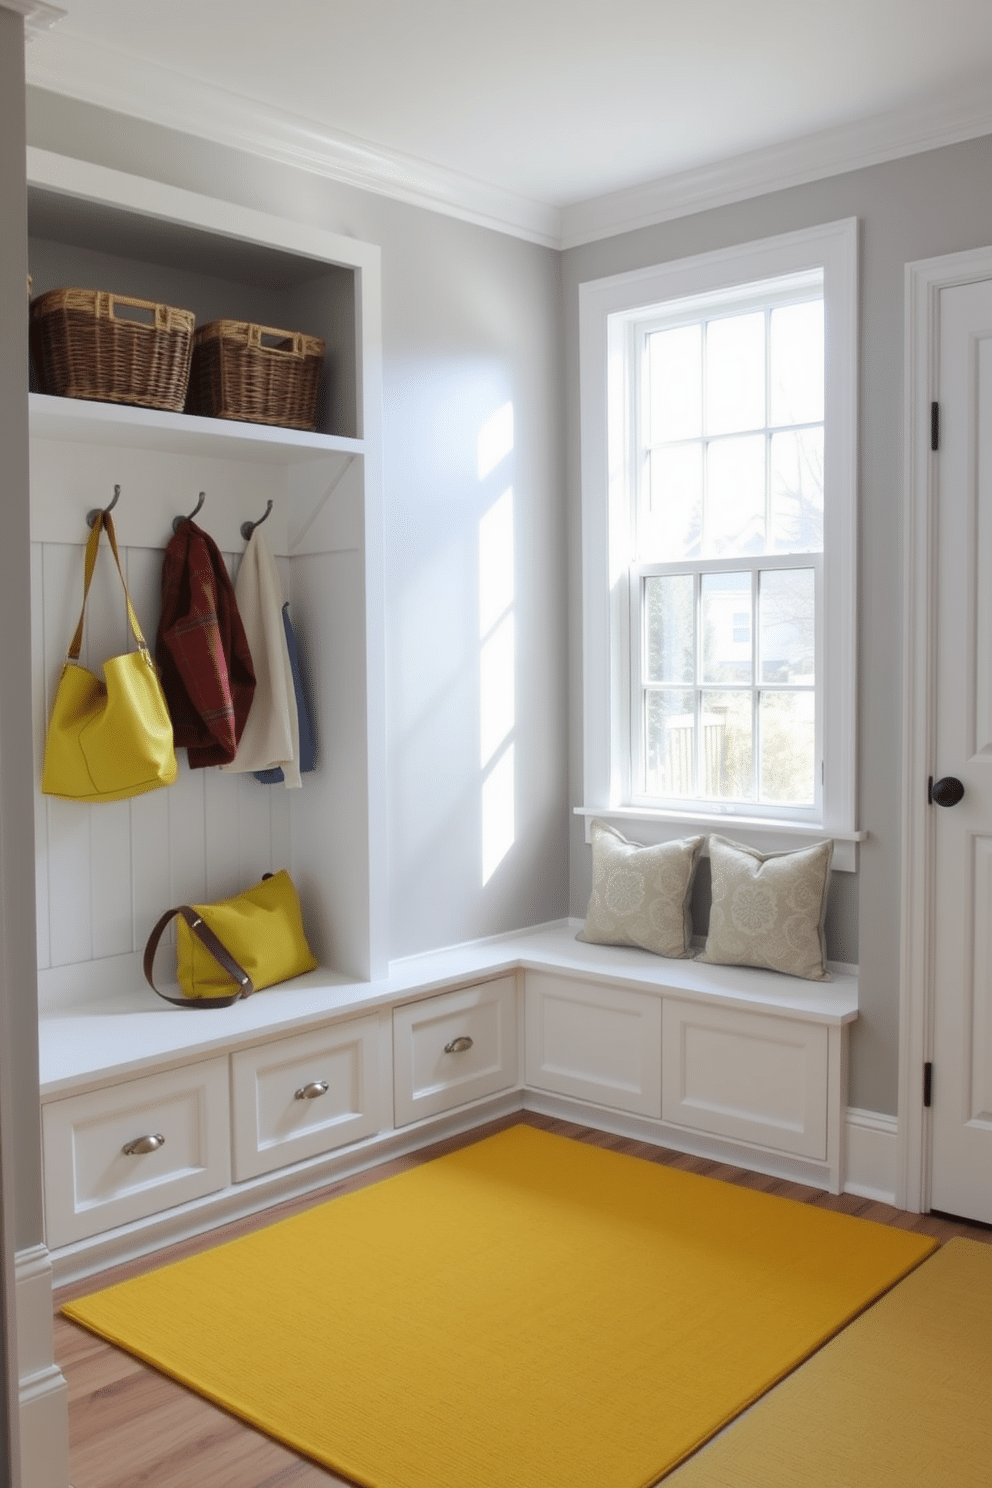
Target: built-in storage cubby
<point x="105" y="872"/>
<point x="735" y="1064"/>
<point x="77" y="243"/>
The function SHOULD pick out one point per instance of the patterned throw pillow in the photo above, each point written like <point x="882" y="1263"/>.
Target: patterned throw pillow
<point x="768" y="908"/>
<point x="640" y="895"/>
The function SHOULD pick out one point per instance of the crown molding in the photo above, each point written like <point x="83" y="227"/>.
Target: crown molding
<point x="947" y="120"/>
<point x="75" y="68"/>
<point x="78" y="69"/>
<point x="38" y="16"/>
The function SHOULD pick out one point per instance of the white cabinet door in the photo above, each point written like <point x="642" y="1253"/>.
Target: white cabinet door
<point x="454" y="1048"/>
<point x="294" y="1098"/>
<point x="756" y="1079"/>
<point x="961" y="1175"/>
<point x="595" y="1042"/>
<point x="129" y="1150"/>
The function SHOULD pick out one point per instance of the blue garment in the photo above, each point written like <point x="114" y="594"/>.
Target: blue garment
<point x="308" y="734"/>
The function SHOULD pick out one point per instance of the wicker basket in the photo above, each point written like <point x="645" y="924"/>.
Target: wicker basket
<point x="256" y="374"/>
<point x="85" y="345"/>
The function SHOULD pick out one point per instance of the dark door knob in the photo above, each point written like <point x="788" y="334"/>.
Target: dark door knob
<point x="947" y="791"/>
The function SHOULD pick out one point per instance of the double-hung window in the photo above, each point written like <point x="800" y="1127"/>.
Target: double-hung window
<point x="718" y="448"/>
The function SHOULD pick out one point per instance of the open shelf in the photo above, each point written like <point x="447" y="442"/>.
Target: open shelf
<point x="122" y="426"/>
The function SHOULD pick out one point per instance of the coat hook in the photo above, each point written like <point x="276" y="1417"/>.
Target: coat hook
<point x="177" y="522"/>
<point x="97" y="511"/>
<point x="247" y="528"/>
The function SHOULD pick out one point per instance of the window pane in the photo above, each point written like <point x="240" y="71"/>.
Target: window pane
<point x="797" y="492"/>
<point x="728" y="746"/>
<point x="726" y="619"/>
<point x="735" y="373"/>
<point x="735" y="497"/>
<point x="669" y="629"/>
<point x="788" y="739"/>
<point x="786" y="614"/>
<point x="797" y="363"/>
<point x="675" y="361"/>
<point x="672" y="526"/>
<point x="670" y="743"/>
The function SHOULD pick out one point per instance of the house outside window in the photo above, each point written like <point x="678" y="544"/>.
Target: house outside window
<point x="718" y="470"/>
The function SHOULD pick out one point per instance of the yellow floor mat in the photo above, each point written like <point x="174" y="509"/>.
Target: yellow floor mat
<point x="527" y="1312"/>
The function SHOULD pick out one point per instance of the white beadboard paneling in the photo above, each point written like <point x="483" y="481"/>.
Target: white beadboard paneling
<point x="62" y="593"/>
<point x="282" y="836"/>
<point x="69" y="863"/>
<point x="222" y="835"/>
<point x="143" y="569"/>
<point x="68" y="849"/>
<point x="108" y="634"/>
<point x="187" y="839"/>
<point x="107" y="871"/>
<point x="151" y="875"/>
<point x="254" y="829"/>
<point x="110" y="877"/>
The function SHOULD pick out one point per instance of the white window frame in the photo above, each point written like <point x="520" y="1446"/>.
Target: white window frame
<point x="604" y="305"/>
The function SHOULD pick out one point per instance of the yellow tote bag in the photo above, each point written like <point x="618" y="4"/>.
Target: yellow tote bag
<point x="112" y="739"/>
<point x="237" y="946"/>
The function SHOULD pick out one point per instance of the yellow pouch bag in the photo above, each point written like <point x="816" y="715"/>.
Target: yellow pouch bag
<point x="112" y="739"/>
<point x="235" y="947"/>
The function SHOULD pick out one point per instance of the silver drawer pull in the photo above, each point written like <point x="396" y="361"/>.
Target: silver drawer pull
<point x="459" y="1045"/>
<point x="141" y="1145"/>
<point x="311" y="1091"/>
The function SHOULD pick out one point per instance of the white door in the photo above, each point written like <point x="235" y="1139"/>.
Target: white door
<point x="961" y="1116"/>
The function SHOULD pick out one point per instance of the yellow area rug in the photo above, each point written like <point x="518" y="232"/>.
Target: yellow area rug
<point x="902" y="1399"/>
<point x="527" y="1312"/>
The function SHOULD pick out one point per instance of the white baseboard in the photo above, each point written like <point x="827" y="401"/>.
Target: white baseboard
<point x="871" y="1142"/>
<point x="679" y="1139"/>
<point x="44" y="1419"/>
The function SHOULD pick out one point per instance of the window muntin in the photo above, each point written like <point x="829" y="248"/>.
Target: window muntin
<point x="725" y="464"/>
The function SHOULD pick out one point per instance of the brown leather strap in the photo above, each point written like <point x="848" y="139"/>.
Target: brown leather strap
<point x="216" y="948"/>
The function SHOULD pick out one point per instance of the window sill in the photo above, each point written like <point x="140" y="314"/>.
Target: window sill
<point x="762" y="833"/>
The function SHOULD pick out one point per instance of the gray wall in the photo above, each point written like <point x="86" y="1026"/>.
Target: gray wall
<point x="935" y="203"/>
<point x="471" y="321"/>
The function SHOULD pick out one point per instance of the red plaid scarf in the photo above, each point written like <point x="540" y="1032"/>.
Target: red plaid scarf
<point x="203" y="657"/>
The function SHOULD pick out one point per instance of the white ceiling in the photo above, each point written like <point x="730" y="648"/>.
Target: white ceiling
<point x="523" y="108"/>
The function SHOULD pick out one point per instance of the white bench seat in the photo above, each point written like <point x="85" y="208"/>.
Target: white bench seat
<point x="743" y="1065"/>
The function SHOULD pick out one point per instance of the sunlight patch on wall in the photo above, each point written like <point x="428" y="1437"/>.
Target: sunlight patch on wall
<point x="496" y="578"/>
<point x="498" y="826"/>
<point x="496" y="689"/>
<point x="495" y="440"/>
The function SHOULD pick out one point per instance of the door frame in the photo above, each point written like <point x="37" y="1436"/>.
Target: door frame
<point x="924" y="281"/>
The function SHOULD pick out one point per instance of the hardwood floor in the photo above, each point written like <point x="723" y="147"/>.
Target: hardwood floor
<point x="131" y="1427"/>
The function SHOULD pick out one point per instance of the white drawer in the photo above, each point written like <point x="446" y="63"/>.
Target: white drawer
<point x="594" y="1042"/>
<point x="454" y="1048"/>
<point x="298" y="1097"/>
<point x="758" y="1079"/>
<point x="93" y="1184"/>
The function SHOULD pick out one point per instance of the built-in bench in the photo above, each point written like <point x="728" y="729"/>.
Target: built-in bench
<point x="322" y="1076"/>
